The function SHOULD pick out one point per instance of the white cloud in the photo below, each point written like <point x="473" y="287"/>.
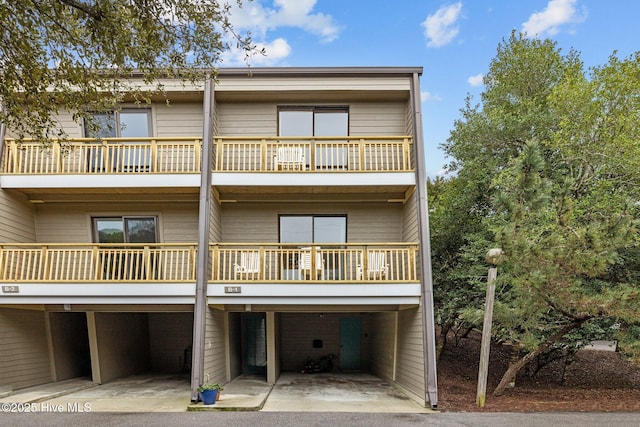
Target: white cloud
<point x="440" y="28"/>
<point x="475" y="80"/>
<point x="549" y="21"/>
<point x="260" y="19"/>
<point x="275" y="51"/>
<point x="428" y="96"/>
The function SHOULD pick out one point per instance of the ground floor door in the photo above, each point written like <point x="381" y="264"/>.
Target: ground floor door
<point x="254" y="339"/>
<point x="350" y="329"/>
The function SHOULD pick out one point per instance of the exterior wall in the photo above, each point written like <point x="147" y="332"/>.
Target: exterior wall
<point x="235" y="345"/>
<point x="383" y="344"/>
<point x="122" y="344"/>
<point x="298" y="330"/>
<point x="258" y="222"/>
<point x="70" y="345"/>
<point x="17" y="218"/>
<point x="215" y="221"/>
<point x="71" y="222"/>
<point x="169" y="336"/>
<point x="410" y="362"/>
<point x="410" y="220"/>
<point x="214" y="347"/>
<point x="24" y="356"/>
<point x="178" y="119"/>
<point x="261" y="119"/>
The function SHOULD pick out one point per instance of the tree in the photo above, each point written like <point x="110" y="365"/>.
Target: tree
<point x="81" y="54"/>
<point x="549" y="170"/>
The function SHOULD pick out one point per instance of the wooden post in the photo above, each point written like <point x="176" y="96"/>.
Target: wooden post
<point x="481" y="394"/>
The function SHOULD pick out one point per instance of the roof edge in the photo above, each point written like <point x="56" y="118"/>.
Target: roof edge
<point x="319" y="71"/>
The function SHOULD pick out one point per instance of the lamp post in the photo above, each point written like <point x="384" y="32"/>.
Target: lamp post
<point x="493" y="257"/>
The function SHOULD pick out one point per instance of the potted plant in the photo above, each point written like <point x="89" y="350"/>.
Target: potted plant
<point x="209" y="393"/>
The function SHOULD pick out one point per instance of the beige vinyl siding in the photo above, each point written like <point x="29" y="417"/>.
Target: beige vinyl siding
<point x="214" y="347"/>
<point x="258" y="222"/>
<point x="66" y="123"/>
<point x="377" y="118"/>
<point x="122" y="344"/>
<point x="261" y="119"/>
<point x="71" y="222"/>
<point x="178" y="119"/>
<point x="410" y="363"/>
<point x="17" y="218"/>
<point x="299" y="330"/>
<point x="256" y="119"/>
<point x="215" y="221"/>
<point x="24" y="356"/>
<point x="235" y="344"/>
<point x="69" y="344"/>
<point x="169" y="336"/>
<point x="409" y="130"/>
<point x="323" y="84"/>
<point x="383" y="333"/>
<point x="410" y="220"/>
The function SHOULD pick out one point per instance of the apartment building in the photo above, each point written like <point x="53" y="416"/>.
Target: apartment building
<point x="245" y="227"/>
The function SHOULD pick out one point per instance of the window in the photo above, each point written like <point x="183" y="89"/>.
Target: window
<point x="121" y="263"/>
<point x="318" y="121"/>
<point x="314" y="229"/>
<point x="122" y="124"/>
<point x="128" y="229"/>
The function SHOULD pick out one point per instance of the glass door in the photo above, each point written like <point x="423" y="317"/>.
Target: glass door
<point x="313" y="230"/>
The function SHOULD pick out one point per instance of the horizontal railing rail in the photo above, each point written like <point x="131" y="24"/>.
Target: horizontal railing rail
<point x="313" y="154"/>
<point x="97" y="262"/>
<point x="230" y="154"/>
<point x="317" y="262"/>
<point x="103" y="156"/>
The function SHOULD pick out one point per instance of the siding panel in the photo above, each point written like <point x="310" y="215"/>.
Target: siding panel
<point x="24" y="358"/>
<point x="410" y="365"/>
<point x="214" y="348"/>
<point x="258" y="222"/>
<point x="17" y="218"/>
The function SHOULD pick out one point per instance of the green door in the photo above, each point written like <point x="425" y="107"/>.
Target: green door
<point x="350" y="343"/>
<point x="255" y="343"/>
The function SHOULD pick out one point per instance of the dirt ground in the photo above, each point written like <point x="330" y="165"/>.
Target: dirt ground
<point x="597" y="381"/>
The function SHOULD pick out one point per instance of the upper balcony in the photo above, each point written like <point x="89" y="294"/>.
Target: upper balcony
<point x="175" y="162"/>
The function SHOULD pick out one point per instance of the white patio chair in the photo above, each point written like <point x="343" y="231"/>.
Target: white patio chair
<point x="249" y="263"/>
<point x="289" y="158"/>
<point x="304" y="262"/>
<point x="377" y="266"/>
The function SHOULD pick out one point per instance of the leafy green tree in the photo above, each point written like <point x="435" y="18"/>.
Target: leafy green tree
<point x="548" y="171"/>
<point x="81" y="54"/>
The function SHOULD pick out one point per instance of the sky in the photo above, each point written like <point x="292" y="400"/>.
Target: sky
<point x="454" y="41"/>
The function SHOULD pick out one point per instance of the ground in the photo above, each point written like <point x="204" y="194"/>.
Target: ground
<point x="595" y="381"/>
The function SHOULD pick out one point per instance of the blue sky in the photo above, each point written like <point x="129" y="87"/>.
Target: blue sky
<point x="453" y="40"/>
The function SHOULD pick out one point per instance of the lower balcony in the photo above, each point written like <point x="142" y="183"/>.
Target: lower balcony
<point x="241" y="273"/>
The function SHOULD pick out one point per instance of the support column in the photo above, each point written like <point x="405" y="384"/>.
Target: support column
<point x="272" y="355"/>
<point x="202" y="266"/>
<point x="96" y="376"/>
<point x="428" y="324"/>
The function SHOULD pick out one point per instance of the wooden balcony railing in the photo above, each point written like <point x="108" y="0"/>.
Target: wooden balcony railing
<point x="103" y="156"/>
<point x="313" y="154"/>
<point x="97" y="263"/>
<point x="341" y="263"/>
<point x="260" y="262"/>
<point x="231" y="154"/>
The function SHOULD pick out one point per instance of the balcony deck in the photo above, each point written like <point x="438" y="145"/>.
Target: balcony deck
<point x="182" y="155"/>
<point x="241" y="273"/>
